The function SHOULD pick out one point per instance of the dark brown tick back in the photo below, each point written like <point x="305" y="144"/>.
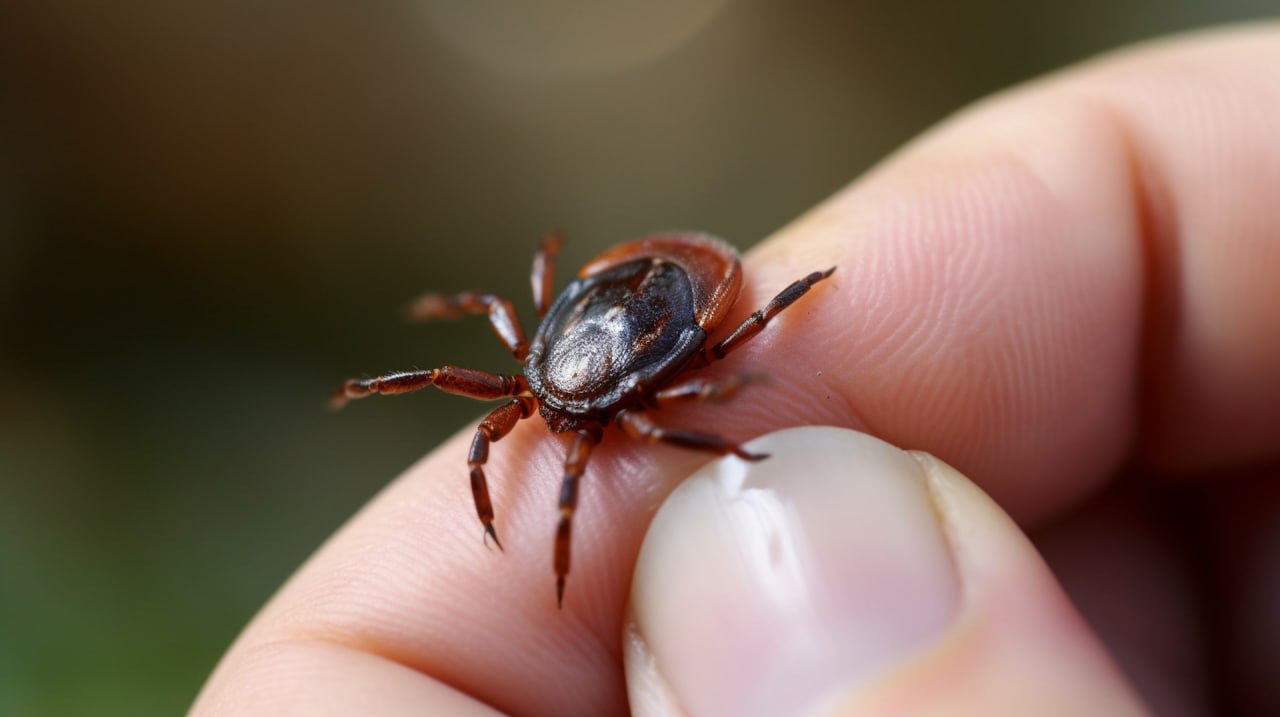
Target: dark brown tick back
<point x="613" y="347"/>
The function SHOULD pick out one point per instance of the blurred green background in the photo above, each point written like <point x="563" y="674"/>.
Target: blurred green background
<point x="211" y="212"/>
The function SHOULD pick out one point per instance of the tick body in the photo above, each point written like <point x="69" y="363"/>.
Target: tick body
<point x="615" y="347"/>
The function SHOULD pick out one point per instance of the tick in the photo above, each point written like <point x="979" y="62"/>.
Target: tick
<point x="614" y="347"/>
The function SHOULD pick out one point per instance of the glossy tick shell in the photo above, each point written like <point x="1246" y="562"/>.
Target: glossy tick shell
<point x="635" y="317"/>
<point x="614" y="347"/>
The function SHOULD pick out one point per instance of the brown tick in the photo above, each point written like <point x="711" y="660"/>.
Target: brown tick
<point x="612" y="348"/>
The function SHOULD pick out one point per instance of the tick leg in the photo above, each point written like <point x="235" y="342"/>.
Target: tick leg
<point x="502" y="315"/>
<point x="701" y="389"/>
<point x="637" y="425"/>
<point x="494" y="426"/>
<point x="451" y="379"/>
<point x="574" y="463"/>
<point x="757" y="321"/>
<point x="544" y="272"/>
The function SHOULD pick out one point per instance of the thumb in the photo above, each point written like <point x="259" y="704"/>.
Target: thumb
<point x="844" y="576"/>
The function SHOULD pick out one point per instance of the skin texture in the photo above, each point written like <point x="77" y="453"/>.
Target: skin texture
<point x="1061" y="285"/>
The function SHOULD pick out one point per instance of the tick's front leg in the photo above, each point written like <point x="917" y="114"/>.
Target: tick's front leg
<point x="502" y="315"/>
<point x="757" y="321"/>
<point x="544" y="270"/>
<point x="451" y="379"/>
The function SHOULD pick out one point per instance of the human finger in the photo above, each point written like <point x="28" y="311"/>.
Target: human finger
<point x="845" y="576"/>
<point x="991" y="306"/>
<point x="1080" y="269"/>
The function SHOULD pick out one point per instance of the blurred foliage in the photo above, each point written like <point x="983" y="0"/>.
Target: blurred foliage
<point x="210" y="213"/>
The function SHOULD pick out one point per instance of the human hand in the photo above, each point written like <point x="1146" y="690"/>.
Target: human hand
<point x="1065" y="284"/>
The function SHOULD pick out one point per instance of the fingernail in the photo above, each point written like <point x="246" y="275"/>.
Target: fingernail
<point x="774" y="588"/>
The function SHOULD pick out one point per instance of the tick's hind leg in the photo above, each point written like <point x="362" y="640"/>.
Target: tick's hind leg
<point x="574" y="464"/>
<point x="757" y="321"/>
<point x="451" y="379"/>
<point x="637" y="425"/>
<point x="492" y="429"/>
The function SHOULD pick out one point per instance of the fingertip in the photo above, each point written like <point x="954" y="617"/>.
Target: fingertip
<point x="762" y="587"/>
<point x="1018" y="645"/>
<point x="846" y="576"/>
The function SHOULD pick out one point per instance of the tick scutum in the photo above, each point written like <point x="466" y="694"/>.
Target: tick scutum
<point x="608" y="336"/>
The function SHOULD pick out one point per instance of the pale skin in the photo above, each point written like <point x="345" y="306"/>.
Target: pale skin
<point x="1069" y="279"/>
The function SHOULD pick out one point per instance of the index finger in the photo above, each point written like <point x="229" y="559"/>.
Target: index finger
<point x="1061" y="276"/>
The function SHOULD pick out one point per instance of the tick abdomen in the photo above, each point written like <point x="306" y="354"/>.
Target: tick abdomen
<point x="611" y="332"/>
